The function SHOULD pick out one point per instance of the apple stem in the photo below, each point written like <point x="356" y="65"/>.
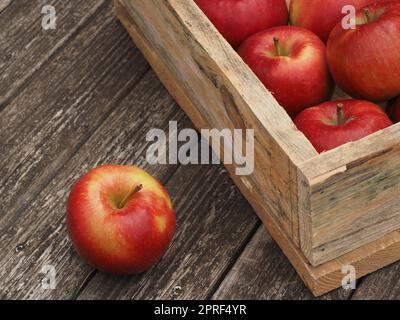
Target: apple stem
<point x="367" y="15"/>
<point x="129" y="196"/>
<point x="341" y="119"/>
<point x="277" y="47"/>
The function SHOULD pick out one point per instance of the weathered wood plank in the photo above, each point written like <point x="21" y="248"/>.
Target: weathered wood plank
<point x="45" y="125"/>
<point x="262" y="272"/>
<point x="26" y="47"/>
<point x="40" y="228"/>
<point x="4" y="4"/>
<point x="213" y="223"/>
<point x="381" y="285"/>
<point x="353" y="196"/>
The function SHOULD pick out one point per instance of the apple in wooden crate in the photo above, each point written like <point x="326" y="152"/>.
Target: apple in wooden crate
<point x="365" y="61"/>
<point x="238" y="19"/>
<point x="335" y="123"/>
<point x="291" y="63"/>
<point x="321" y="16"/>
<point x="120" y="219"/>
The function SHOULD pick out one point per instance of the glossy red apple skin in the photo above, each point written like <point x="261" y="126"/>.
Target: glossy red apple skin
<point x="299" y="78"/>
<point x="120" y="241"/>
<point x="236" y="20"/>
<point x="395" y="110"/>
<point x="365" y="62"/>
<point x="321" y="16"/>
<point x="319" y="123"/>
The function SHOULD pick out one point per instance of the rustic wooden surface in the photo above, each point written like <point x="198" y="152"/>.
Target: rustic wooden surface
<point x="80" y="96"/>
<point x="217" y="90"/>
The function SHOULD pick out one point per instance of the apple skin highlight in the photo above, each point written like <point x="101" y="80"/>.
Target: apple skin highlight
<point x="115" y="239"/>
<point x="321" y="127"/>
<point x="236" y="20"/>
<point x="365" y="62"/>
<point x="297" y="76"/>
<point x="321" y="16"/>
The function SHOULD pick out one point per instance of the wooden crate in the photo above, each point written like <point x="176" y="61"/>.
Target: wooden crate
<point x="325" y="210"/>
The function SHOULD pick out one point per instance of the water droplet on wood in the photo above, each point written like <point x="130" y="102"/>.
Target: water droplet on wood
<point x="176" y="291"/>
<point x="19" y="247"/>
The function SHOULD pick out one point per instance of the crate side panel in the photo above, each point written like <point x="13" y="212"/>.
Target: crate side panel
<point x="354" y="196"/>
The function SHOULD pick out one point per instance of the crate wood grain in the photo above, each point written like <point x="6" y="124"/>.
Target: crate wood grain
<point x="324" y="210"/>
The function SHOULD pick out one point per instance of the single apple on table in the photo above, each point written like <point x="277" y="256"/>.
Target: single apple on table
<point x="321" y="16"/>
<point x="291" y="63"/>
<point x="238" y="19"/>
<point x="335" y="123"/>
<point x="365" y="62"/>
<point x="120" y="219"/>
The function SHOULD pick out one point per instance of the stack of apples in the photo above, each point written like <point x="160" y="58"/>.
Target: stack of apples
<point x="351" y="43"/>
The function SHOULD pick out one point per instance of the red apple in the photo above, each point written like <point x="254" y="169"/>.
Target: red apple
<point x="291" y="63"/>
<point x="236" y="20"/>
<point x="335" y="123"/>
<point x="120" y="219"/>
<point x="365" y="62"/>
<point x="394" y="110"/>
<point x="321" y="16"/>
